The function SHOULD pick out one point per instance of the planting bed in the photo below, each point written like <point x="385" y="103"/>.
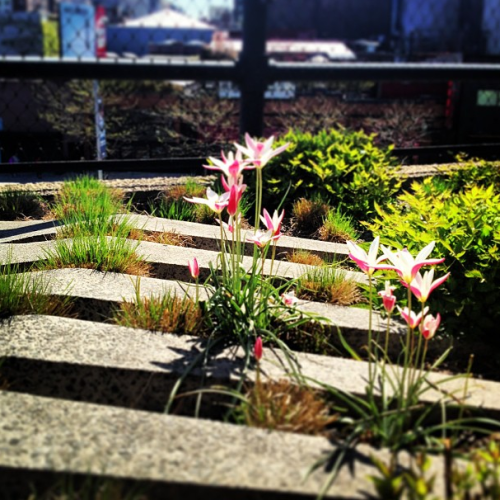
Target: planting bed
<point x="84" y="397"/>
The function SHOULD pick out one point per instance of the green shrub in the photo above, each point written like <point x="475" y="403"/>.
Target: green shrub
<point x="466" y="228"/>
<point x="345" y="169"/>
<point x="470" y="173"/>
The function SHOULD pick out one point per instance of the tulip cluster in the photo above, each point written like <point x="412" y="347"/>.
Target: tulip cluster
<point x="253" y="156"/>
<point x="408" y="269"/>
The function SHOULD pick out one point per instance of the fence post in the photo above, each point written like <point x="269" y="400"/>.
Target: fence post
<point x="252" y="67"/>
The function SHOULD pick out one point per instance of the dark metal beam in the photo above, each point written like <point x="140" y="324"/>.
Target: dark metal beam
<point x="115" y="69"/>
<point x="278" y="71"/>
<point x="126" y="69"/>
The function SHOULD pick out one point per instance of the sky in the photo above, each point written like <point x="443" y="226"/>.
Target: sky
<point x="199" y="8"/>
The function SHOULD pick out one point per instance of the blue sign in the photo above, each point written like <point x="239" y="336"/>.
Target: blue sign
<point x="77" y="29"/>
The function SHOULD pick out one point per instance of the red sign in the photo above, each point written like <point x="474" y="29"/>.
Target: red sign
<point x="100" y="31"/>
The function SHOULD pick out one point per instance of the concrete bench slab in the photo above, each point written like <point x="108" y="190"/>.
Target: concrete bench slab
<point x="60" y="347"/>
<point x="186" y="457"/>
<point x="169" y="261"/>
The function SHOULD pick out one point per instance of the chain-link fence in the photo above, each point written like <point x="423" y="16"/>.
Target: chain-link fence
<point x="61" y="117"/>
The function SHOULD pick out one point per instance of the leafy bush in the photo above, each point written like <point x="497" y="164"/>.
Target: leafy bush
<point x="466" y="228"/>
<point x="470" y="173"/>
<point x="343" y="168"/>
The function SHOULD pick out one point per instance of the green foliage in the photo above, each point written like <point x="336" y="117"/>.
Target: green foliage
<point x="337" y="227"/>
<point x="50" y="38"/>
<point x="481" y="478"/>
<point x="343" y="168"/>
<point x="469" y="173"/>
<point x="466" y="228"/>
<point x="395" y="482"/>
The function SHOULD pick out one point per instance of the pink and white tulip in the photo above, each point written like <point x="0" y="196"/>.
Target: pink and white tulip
<point x="429" y="326"/>
<point x="422" y="286"/>
<point x="411" y="318"/>
<point x="216" y="202"/>
<point x="406" y="265"/>
<point x="388" y="299"/>
<point x="257" y="349"/>
<point x="262" y="238"/>
<point x="289" y="298"/>
<point x="259" y="153"/>
<point x="273" y="223"/>
<point x="231" y="165"/>
<point x="194" y="268"/>
<point x="368" y="263"/>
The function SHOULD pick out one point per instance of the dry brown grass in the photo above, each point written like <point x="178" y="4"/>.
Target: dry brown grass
<point x="305" y="257"/>
<point x="307" y="216"/>
<point x="169" y="314"/>
<point x="165" y="238"/>
<point x="287" y="407"/>
<point x="342" y="293"/>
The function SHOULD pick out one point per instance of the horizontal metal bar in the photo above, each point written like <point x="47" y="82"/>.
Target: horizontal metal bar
<point x="491" y="148"/>
<point x="115" y="69"/>
<point x="280" y="71"/>
<point x="164" y="165"/>
<point x="152" y="69"/>
<point x="195" y="165"/>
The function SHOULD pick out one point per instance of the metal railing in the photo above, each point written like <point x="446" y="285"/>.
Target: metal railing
<point x="252" y="72"/>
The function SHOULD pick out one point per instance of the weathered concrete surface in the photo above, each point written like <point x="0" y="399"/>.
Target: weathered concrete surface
<point x="115" y="287"/>
<point x="54" y="344"/>
<point x="183" y="455"/>
<point x="203" y="235"/>
<point x="169" y="261"/>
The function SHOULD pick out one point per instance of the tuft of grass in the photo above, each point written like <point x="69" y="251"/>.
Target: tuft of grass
<point x="97" y="252"/>
<point x="284" y="406"/>
<point x="171" y="203"/>
<point x="307" y="216"/>
<point x="27" y="293"/>
<point x="168" y="313"/>
<point x="337" y="227"/>
<point x="165" y="238"/>
<point x="305" y="257"/>
<point x="19" y="205"/>
<point x="328" y="284"/>
<point x="86" y="206"/>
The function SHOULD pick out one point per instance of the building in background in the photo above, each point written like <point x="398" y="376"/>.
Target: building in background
<point x="167" y="27"/>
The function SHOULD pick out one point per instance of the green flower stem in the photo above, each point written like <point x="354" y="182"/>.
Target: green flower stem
<point x="371" y="373"/>
<point x="273" y="255"/>
<point x="222" y="248"/>
<point x="258" y="199"/>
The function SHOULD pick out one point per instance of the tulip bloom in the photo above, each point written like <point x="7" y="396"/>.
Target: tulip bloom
<point x="406" y="265"/>
<point x="289" y="298"/>
<point x="388" y="299"/>
<point x="214" y="201"/>
<point x="261" y="238"/>
<point x="232" y="165"/>
<point x="368" y="263"/>
<point x="194" y="268"/>
<point x="411" y="318"/>
<point x="259" y="153"/>
<point x="429" y="326"/>
<point x="258" y="349"/>
<point x="234" y="200"/>
<point x="422" y="286"/>
<point x="273" y="223"/>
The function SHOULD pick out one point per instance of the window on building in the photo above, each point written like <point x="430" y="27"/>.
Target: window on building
<point x="488" y="98"/>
